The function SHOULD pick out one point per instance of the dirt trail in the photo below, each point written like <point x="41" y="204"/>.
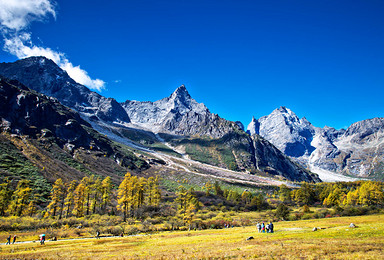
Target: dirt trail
<point x="69" y="239"/>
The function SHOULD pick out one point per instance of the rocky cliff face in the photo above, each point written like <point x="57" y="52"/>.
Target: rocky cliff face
<point x="27" y="113"/>
<point x="44" y="76"/>
<point x="293" y="136"/>
<point x="362" y="149"/>
<point x="178" y="114"/>
<point x="356" y="151"/>
<point x="273" y="161"/>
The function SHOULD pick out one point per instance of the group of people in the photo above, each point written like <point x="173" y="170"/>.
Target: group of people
<point x="9" y="240"/>
<point x="264" y="228"/>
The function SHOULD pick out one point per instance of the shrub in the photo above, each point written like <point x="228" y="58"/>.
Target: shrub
<point x="306" y="209"/>
<point x="115" y="230"/>
<point x="132" y="231"/>
<point x="282" y="212"/>
<point x="306" y="216"/>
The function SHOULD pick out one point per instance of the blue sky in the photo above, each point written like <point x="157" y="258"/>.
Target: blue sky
<point x="322" y="59"/>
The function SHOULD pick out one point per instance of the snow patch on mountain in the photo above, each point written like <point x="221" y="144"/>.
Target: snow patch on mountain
<point x="328" y="176"/>
<point x="357" y="151"/>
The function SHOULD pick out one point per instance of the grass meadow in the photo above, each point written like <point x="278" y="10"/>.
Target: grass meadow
<point x="291" y="240"/>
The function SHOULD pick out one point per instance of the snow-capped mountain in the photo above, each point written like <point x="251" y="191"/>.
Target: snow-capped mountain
<point x="357" y="151"/>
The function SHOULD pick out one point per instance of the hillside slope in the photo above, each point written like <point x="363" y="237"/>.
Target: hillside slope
<point x="43" y="140"/>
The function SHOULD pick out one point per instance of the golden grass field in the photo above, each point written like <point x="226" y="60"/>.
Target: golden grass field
<point x="291" y="240"/>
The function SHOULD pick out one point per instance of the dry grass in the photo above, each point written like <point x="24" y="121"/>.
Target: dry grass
<point x="292" y="240"/>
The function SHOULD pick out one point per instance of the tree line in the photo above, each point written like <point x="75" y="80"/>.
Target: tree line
<point x="358" y="193"/>
<point x="91" y="195"/>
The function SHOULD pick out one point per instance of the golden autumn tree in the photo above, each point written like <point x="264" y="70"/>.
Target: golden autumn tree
<point x="125" y="195"/>
<point x="246" y="197"/>
<point x="57" y="198"/>
<point x="371" y="193"/>
<point x="79" y="200"/>
<point x="153" y="192"/>
<point x="31" y="208"/>
<point x="106" y="194"/>
<point x="352" y="198"/>
<point x="96" y="198"/>
<point x="70" y="198"/>
<point x="88" y="185"/>
<point x="187" y="204"/>
<point x="5" y="196"/>
<point x="139" y="189"/>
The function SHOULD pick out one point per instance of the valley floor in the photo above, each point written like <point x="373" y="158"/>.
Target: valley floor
<point x="291" y="240"/>
<point x="190" y="166"/>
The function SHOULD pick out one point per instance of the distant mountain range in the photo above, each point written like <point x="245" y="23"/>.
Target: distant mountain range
<point x="280" y="144"/>
<point x="356" y="152"/>
<point x="177" y="121"/>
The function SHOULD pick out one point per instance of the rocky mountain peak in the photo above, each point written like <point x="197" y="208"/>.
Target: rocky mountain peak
<point x="365" y="129"/>
<point x="286" y="131"/>
<point x="181" y="101"/>
<point x="181" y="92"/>
<point x="283" y="109"/>
<point x="45" y="76"/>
<point x="288" y="115"/>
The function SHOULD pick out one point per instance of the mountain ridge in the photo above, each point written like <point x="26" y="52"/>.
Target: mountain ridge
<point x="47" y="78"/>
<point x="355" y="151"/>
<point x="187" y="124"/>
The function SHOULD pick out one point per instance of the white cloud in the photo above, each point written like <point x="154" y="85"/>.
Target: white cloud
<point x="15" y="16"/>
<point x="81" y="76"/>
<point x="18" y="46"/>
<point x="18" y="14"/>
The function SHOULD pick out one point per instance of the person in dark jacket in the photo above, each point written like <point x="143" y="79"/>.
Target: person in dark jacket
<point x="8" y="240"/>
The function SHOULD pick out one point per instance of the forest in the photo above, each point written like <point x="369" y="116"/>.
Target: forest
<point x="142" y="200"/>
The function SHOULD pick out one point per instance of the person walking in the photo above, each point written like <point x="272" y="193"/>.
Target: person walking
<point x="42" y="239"/>
<point x="14" y="239"/>
<point x="258" y="226"/>
<point x="263" y="227"/>
<point x="8" y="240"/>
